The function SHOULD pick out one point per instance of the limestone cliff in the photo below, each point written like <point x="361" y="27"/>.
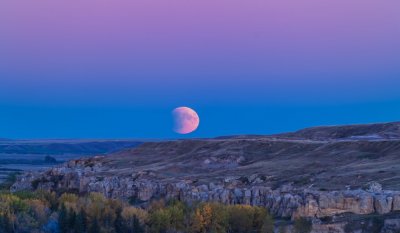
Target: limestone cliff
<point x="316" y="172"/>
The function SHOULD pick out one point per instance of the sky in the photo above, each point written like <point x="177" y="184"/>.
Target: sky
<point x="117" y="68"/>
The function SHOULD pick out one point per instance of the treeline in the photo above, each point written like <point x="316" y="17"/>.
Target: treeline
<point x="46" y="212"/>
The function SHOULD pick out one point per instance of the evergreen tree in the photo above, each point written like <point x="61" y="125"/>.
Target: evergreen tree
<point x="63" y="219"/>
<point x="80" y="222"/>
<point x="94" y="227"/>
<point x="71" y="218"/>
<point x="6" y="225"/>
<point x="119" y="222"/>
<point x="136" y="226"/>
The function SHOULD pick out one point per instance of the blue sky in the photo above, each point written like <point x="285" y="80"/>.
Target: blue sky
<point x="101" y="69"/>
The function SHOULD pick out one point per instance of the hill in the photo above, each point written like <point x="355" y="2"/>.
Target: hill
<point x="60" y="147"/>
<point x="320" y="171"/>
<point x="27" y="155"/>
<point x="349" y="132"/>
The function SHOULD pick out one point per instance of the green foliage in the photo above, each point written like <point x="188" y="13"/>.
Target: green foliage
<point x="26" y="195"/>
<point x="168" y="218"/>
<point x="215" y="217"/>
<point x="71" y="213"/>
<point x="50" y="198"/>
<point x="241" y="219"/>
<point x="160" y="221"/>
<point x="177" y="216"/>
<point x="244" y="218"/>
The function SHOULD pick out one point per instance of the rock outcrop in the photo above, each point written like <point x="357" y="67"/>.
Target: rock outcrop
<point x="86" y="176"/>
<point x="318" y="173"/>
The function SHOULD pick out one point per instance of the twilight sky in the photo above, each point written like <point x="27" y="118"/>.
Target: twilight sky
<point x="117" y="68"/>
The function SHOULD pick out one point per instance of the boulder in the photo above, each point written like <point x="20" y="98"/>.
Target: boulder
<point x="383" y="204"/>
<point x="373" y="187"/>
<point x="396" y="202"/>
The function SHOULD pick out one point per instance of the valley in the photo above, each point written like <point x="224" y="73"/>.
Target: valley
<point x="17" y="156"/>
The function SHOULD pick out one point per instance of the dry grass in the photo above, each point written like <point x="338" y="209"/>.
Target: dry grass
<point x="326" y="165"/>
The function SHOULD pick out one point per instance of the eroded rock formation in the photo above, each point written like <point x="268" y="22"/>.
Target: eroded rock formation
<point x="87" y="175"/>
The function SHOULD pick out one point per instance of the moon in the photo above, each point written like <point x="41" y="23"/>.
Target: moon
<point x="186" y="120"/>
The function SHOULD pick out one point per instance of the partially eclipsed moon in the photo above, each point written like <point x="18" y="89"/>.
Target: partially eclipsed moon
<point x="186" y="120"/>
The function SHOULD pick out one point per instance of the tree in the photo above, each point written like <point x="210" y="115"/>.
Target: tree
<point x="302" y="225"/>
<point x="50" y="198"/>
<point x="130" y="220"/>
<point x="160" y="221"/>
<point x="6" y="223"/>
<point x="119" y="223"/>
<point x="241" y="219"/>
<point x="201" y="218"/>
<point x="210" y="217"/>
<point x="63" y="219"/>
<point x="94" y="227"/>
<point x="80" y="222"/>
<point x="268" y="225"/>
<point x="136" y="226"/>
<point x="71" y="218"/>
<point x="246" y="218"/>
<point x="176" y="211"/>
<point x="129" y="212"/>
<point x="260" y="217"/>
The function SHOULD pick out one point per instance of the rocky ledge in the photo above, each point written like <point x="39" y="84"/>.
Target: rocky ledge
<point x="318" y="173"/>
<point x="86" y="175"/>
